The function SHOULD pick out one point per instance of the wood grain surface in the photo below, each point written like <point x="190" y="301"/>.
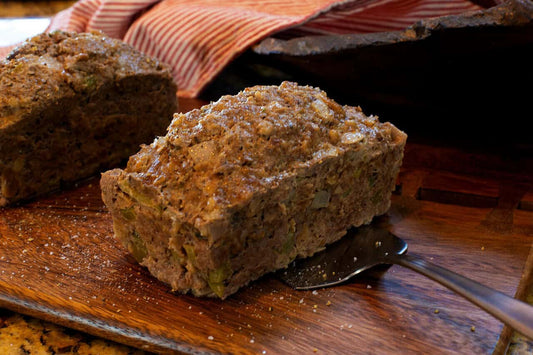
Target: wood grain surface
<point x="60" y="262"/>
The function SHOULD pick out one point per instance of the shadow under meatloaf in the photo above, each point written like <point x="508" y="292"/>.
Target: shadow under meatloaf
<point x="247" y="184"/>
<point x="73" y="105"/>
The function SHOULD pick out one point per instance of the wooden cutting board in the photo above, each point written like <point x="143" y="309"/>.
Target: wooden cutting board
<point x="60" y="262"/>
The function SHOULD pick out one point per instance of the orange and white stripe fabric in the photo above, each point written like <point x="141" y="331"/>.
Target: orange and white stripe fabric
<point x="368" y="16"/>
<point x="198" y="38"/>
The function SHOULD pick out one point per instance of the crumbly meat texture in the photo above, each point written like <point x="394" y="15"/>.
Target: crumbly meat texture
<point x="244" y="185"/>
<point x="72" y="105"/>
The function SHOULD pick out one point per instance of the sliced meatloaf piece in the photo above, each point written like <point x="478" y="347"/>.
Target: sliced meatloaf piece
<point x="72" y="105"/>
<point x="244" y="185"/>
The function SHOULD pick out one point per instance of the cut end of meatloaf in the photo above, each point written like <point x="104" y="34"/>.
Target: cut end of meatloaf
<point x="75" y="104"/>
<point x="243" y="186"/>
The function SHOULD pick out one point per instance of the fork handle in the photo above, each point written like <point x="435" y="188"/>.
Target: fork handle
<point x="515" y="313"/>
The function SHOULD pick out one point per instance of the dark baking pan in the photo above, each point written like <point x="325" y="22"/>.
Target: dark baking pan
<point x="464" y="76"/>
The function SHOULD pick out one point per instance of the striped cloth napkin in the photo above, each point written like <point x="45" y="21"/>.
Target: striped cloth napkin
<point x="198" y="38"/>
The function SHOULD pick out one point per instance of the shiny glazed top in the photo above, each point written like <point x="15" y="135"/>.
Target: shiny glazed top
<point x="220" y="155"/>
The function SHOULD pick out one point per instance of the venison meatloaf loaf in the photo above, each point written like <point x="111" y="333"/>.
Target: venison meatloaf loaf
<point x="72" y="105"/>
<point x="244" y="185"/>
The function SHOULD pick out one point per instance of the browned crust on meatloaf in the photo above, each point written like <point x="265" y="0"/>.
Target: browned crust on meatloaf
<point x="75" y="104"/>
<point x="243" y="186"/>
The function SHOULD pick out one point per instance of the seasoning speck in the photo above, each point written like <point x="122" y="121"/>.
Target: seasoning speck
<point x="210" y="337"/>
